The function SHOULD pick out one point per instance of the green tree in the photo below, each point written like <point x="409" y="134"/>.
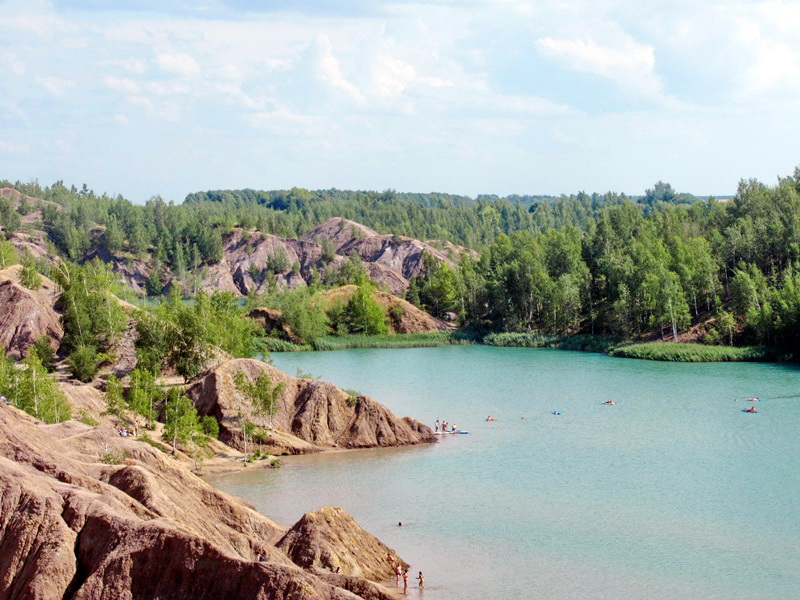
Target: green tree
<point x="83" y="363"/>
<point x="144" y="395"/>
<point x="44" y="351"/>
<point x="115" y="402"/>
<point x="180" y="419"/>
<point x="29" y="275"/>
<point x="363" y="314"/>
<point x="262" y="393"/>
<point x="8" y="254"/>
<point x="31" y="389"/>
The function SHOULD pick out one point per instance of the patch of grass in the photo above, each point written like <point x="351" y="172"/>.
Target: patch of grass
<point x="581" y="342"/>
<point x="276" y="345"/>
<point x="395" y="340"/>
<point x="352" y="397"/>
<point x="669" y="351"/>
<point x="148" y="440"/>
<point x="114" y="457"/>
<point x="88" y="419"/>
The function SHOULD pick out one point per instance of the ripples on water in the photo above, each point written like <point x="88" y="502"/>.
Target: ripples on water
<point x="671" y="493"/>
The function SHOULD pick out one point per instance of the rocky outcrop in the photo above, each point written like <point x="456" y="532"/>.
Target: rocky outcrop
<point x="271" y="320"/>
<point x="330" y="539"/>
<point x="404" y="317"/>
<point x="253" y="260"/>
<point x="311" y="415"/>
<point x="72" y="526"/>
<point x="35" y="205"/>
<point x="392" y="260"/>
<point x="26" y="315"/>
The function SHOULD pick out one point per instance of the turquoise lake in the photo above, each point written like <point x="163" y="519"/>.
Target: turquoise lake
<point x="672" y="493"/>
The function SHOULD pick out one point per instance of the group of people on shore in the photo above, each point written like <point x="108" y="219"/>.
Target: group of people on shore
<point x="399" y="573"/>
<point x="443" y="427"/>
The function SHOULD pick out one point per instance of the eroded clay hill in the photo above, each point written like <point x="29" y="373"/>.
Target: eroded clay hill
<point x="311" y="416"/>
<point x="72" y="526"/>
<point x="26" y="315"/>
<point x="249" y="257"/>
<point x="391" y="260"/>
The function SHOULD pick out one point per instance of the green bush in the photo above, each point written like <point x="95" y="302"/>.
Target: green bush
<point x="583" y="343"/>
<point x="88" y="419"/>
<point x="114" y="457"/>
<point x="29" y="276"/>
<point x="45" y="352"/>
<point x="83" y="363"/>
<point x="210" y="426"/>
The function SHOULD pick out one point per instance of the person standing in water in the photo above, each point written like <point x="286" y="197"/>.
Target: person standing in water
<point x="421" y="578"/>
<point x="405" y="581"/>
<point x="436" y="427"/>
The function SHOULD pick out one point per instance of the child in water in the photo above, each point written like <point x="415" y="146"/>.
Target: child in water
<point x="421" y="580"/>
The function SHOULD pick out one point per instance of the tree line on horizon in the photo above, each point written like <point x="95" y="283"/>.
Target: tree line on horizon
<point x="734" y="265"/>
<point x="592" y="263"/>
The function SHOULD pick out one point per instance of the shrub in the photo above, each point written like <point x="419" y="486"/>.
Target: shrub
<point x="210" y="426"/>
<point x="29" y="276"/>
<point x="45" y="352"/>
<point x="83" y="363"/>
<point x="88" y="419"/>
<point x="114" y="457"/>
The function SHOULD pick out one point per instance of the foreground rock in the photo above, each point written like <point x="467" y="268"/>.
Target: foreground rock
<point x="26" y="315"/>
<point x="311" y="415"/>
<point x="331" y="539"/>
<point x="72" y="526"/>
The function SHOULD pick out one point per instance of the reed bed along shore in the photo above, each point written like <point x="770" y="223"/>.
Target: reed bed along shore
<point x="676" y="352"/>
<point x="663" y="351"/>
<point x="396" y="340"/>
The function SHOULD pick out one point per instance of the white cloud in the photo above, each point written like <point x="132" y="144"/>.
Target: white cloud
<point x="630" y="65"/>
<point x="328" y="69"/>
<point x="179" y="64"/>
<point x="14" y="63"/>
<point x="13" y="148"/>
<point x="121" y="84"/>
<point x="55" y="85"/>
<point x="390" y="76"/>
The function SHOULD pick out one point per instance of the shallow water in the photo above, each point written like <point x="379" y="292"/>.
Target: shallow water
<point x="671" y="493"/>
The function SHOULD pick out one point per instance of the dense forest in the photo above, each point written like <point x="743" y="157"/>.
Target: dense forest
<point x="582" y="263"/>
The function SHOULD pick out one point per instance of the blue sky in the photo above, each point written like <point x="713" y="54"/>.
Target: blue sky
<point x="470" y="96"/>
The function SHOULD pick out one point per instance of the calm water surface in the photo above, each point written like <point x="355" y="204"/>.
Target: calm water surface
<point x="671" y="493"/>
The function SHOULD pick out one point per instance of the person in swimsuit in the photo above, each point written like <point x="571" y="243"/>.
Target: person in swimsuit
<point x="421" y="578"/>
<point x="405" y="581"/>
<point x="436" y="427"/>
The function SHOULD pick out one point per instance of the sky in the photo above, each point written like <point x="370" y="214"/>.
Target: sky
<point x="469" y="97"/>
